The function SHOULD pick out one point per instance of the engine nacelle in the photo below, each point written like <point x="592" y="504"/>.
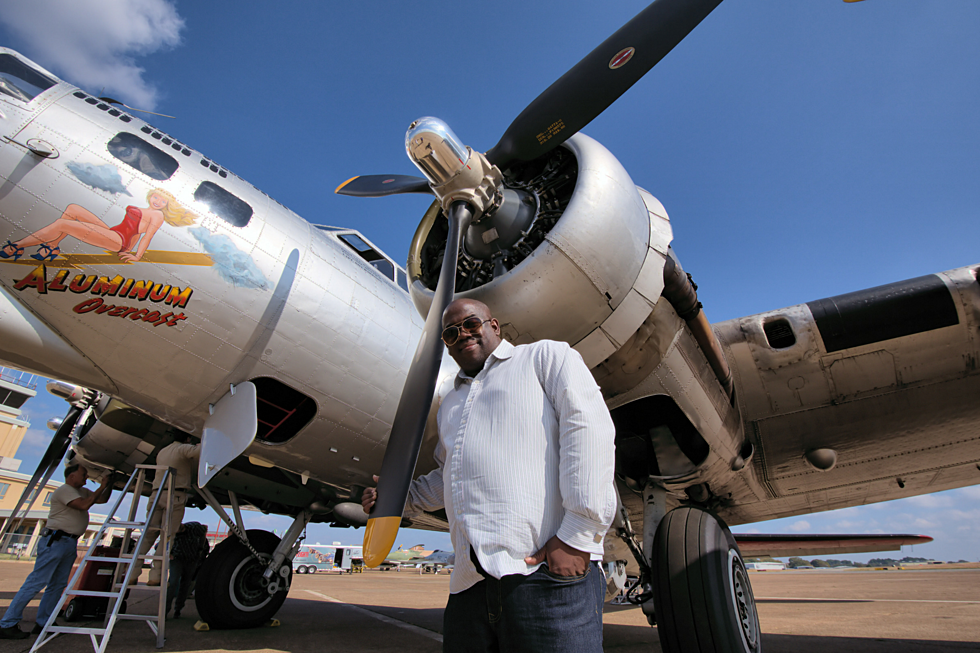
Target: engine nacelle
<point x="587" y="270"/>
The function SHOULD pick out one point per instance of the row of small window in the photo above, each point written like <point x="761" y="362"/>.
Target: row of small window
<point x="153" y="162"/>
<point x="6" y="486"/>
<point x="102" y="106"/>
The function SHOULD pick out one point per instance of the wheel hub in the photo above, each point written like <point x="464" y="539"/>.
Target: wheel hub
<point x="743" y="602"/>
<point x="249" y="589"/>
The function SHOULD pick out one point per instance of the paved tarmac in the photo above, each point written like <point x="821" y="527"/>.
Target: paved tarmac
<point x="911" y="611"/>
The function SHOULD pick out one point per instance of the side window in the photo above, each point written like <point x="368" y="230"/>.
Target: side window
<point x="47" y="498"/>
<point x="385" y="267"/>
<point x="20" y="81"/>
<point x="223" y="204"/>
<point x="140" y="155"/>
<point x="3" y="489"/>
<point x="402" y="280"/>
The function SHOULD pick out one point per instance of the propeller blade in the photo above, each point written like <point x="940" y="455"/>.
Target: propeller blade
<point x="45" y="468"/>
<point x="383" y="185"/>
<point x="599" y="79"/>
<point x="413" y="407"/>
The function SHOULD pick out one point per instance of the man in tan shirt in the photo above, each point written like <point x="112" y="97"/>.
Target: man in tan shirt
<point x="56" y="550"/>
<point x="182" y="458"/>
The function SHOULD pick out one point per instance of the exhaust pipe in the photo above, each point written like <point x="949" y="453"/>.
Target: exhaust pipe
<point x="682" y="294"/>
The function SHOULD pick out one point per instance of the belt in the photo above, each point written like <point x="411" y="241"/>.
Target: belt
<point x="58" y="534"/>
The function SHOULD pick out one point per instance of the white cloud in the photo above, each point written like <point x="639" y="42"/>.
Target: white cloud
<point x="967" y="516"/>
<point x="972" y="492"/>
<point x="35" y="440"/>
<point x="93" y="43"/>
<point x="801" y="526"/>
<point x="931" y="501"/>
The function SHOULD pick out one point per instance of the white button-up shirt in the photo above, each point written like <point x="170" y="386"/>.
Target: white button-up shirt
<point x="526" y="451"/>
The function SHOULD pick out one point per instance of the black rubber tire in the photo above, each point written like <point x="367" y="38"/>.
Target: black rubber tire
<point x="701" y="591"/>
<point x="301" y="569"/>
<point x="230" y="593"/>
<point x="71" y="610"/>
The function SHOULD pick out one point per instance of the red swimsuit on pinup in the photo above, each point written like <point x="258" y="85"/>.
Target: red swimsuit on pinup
<point x="128" y="229"/>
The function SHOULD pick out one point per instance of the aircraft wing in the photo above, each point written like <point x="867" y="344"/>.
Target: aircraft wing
<point x="755" y="545"/>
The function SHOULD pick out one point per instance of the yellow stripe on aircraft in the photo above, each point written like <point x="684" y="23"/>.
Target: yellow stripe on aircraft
<point x="78" y="261"/>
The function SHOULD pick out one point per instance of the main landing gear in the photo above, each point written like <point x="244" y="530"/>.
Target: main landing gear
<point x="244" y="580"/>
<point x="702" y="599"/>
<point x="231" y="590"/>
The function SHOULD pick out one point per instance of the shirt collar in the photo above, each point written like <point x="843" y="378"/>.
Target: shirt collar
<point x="503" y="351"/>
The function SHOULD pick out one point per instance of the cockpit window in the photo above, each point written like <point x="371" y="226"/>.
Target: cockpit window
<point x="20" y="81"/>
<point x="369" y="254"/>
<point x="137" y="153"/>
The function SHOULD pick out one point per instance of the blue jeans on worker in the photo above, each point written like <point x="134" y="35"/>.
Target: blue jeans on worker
<point x="51" y="570"/>
<point x="541" y="612"/>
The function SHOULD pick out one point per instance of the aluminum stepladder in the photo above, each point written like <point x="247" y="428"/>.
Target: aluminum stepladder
<point x="129" y="565"/>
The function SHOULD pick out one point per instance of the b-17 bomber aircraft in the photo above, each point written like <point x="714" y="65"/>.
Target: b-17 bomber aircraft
<point x="306" y="360"/>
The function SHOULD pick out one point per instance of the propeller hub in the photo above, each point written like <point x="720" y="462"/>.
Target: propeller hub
<point x="435" y="149"/>
<point x="455" y="172"/>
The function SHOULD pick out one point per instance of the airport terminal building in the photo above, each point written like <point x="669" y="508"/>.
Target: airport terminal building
<point x="15" y="389"/>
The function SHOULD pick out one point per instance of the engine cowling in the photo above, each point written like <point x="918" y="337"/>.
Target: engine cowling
<point x="576" y="253"/>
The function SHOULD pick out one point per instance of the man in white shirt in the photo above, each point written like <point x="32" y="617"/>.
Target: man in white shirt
<point x="182" y="458"/>
<point x="525" y="473"/>
<point x="56" y="550"/>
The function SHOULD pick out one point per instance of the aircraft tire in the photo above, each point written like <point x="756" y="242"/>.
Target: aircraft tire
<point x="230" y="590"/>
<point x="702" y="596"/>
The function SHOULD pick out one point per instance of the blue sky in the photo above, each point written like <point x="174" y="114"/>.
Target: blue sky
<point x="802" y="149"/>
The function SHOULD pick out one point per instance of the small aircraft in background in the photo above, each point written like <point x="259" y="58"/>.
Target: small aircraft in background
<point x="172" y="296"/>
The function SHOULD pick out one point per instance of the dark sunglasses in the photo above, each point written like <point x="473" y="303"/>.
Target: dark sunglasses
<point x="452" y="333"/>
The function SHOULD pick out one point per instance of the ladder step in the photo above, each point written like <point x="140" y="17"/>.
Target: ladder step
<point x="93" y="593"/>
<point x="127" y="560"/>
<point x="132" y="524"/>
<point x="135" y="586"/>
<point x="75" y="631"/>
<point x="137" y="617"/>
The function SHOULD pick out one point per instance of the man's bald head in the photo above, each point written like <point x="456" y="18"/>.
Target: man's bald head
<point x="472" y="348"/>
<point x="465" y="307"/>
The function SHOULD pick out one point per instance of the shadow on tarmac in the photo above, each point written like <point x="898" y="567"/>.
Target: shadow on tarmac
<point x="311" y="625"/>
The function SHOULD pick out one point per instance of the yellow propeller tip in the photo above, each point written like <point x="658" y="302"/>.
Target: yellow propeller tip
<point x="379" y="537"/>
<point x="345" y="183"/>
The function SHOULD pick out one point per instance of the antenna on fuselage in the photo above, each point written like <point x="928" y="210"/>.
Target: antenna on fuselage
<point x="109" y="100"/>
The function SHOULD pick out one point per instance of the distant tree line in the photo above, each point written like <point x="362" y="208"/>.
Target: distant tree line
<point x="796" y="562"/>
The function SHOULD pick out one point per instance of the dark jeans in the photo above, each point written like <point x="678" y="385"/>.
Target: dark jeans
<point x="181" y="578"/>
<point x="539" y="613"/>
